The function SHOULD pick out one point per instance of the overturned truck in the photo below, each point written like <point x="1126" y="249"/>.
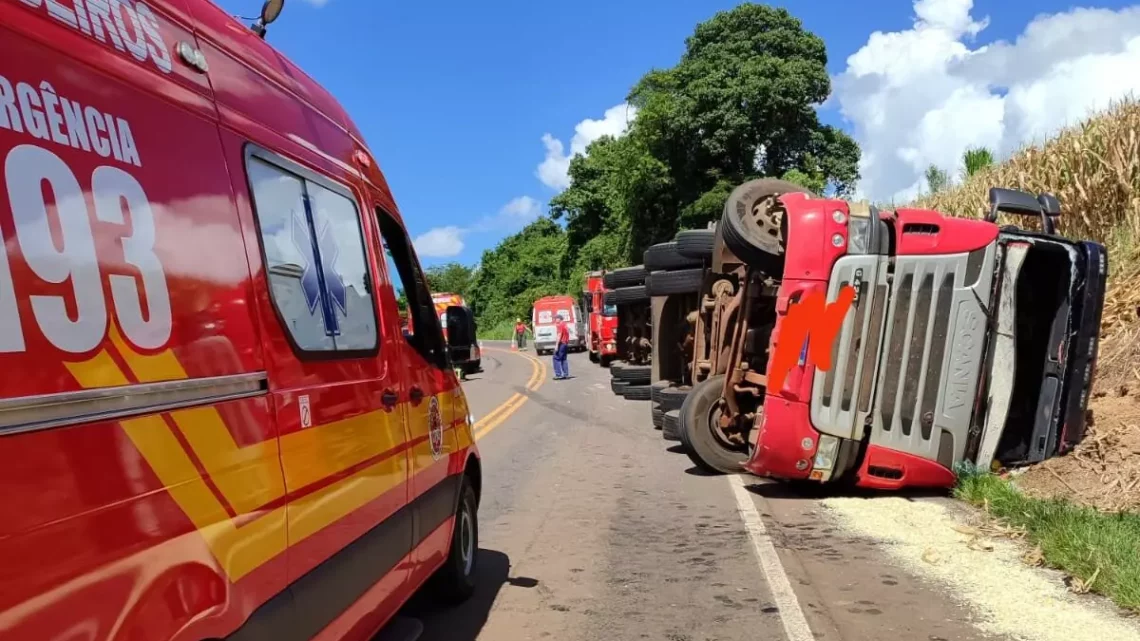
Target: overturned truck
<point x="962" y="341"/>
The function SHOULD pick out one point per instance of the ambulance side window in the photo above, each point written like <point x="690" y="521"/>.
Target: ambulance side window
<point x="424" y="330"/>
<point x="314" y="258"/>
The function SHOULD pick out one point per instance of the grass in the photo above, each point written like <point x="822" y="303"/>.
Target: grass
<point x="502" y="331"/>
<point x="1101" y="550"/>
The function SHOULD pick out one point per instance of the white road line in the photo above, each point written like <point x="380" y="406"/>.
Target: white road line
<point x="791" y="615"/>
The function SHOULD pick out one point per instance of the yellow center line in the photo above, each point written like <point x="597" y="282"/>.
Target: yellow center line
<point x="501" y="413"/>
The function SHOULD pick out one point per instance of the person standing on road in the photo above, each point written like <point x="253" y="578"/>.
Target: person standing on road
<point x="520" y="333"/>
<point x="561" y="367"/>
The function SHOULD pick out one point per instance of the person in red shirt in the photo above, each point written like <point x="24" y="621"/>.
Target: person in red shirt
<point x="520" y="333"/>
<point x="561" y="366"/>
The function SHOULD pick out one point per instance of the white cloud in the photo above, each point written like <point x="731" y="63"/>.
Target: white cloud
<point x="446" y="242"/>
<point x="523" y="208"/>
<point x="923" y="96"/>
<point x="441" y="242"/>
<point x="553" y="171"/>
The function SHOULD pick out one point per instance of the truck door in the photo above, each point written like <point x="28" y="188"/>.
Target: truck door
<point x="430" y="405"/>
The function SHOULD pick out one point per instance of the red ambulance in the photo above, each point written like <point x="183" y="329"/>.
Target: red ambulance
<point x="211" y="424"/>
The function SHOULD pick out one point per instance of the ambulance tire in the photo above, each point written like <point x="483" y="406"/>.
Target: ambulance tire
<point x="624" y="277"/>
<point x="681" y="281"/>
<point x="636" y="392"/>
<point x="705" y="450"/>
<point x="671" y="425"/>
<point x="696" y="243"/>
<point x="626" y="295"/>
<point x="454" y="581"/>
<point x="635" y="374"/>
<point x="666" y="256"/>
<point x="757" y="241"/>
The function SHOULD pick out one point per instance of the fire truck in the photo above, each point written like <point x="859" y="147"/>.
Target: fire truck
<point x="603" y="320"/>
<point x="211" y="423"/>
<point x="926" y="341"/>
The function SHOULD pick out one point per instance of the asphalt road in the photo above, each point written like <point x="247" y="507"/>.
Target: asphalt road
<point x="593" y="527"/>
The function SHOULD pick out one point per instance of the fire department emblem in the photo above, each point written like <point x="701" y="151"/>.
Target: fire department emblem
<point x="435" y="428"/>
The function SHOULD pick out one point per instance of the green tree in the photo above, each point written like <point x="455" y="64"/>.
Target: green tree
<point x="451" y="277"/>
<point x="936" y="179"/>
<point x="975" y="160"/>
<point x="520" y="269"/>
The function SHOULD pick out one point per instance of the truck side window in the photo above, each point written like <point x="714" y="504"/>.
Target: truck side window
<point x="314" y="256"/>
<point x="424" y="331"/>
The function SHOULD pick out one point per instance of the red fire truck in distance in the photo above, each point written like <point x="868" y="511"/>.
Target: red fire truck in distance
<point x="603" y="320"/>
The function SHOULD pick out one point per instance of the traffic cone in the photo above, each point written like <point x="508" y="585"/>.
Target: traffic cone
<point x="514" y="342"/>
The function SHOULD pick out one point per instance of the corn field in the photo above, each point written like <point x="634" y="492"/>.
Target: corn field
<point x="1094" y="170"/>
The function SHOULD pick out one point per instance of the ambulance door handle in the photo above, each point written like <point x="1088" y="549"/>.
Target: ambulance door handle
<point x="389" y="398"/>
<point x="416" y="394"/>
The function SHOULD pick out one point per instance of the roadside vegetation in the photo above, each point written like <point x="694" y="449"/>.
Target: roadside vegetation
<point x="1099" y="550"/>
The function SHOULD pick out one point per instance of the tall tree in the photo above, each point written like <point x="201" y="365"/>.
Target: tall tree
<point x="520" y="269"/>
<point x="451" y="277"/>
<point x="936" y="179"/>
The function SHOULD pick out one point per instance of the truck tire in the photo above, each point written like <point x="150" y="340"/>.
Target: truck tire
<point x="696" y="243"/>
<point x="666" y="256"/>
<point x="755" y="238"/>
<point x="624" y="277"/>
<point x="454" y="581"/>
<point x="671" y="425"/>
<point x="658" y="416"/>
<point x="626" y="295"/>
<point x="705" y="450"/>
<point x="671" y="398"/>
<point x="616" y="367"/>
<point x="681" y="281"/>
<point x="618" y="387"/>
<point x="635" y="374"/>
<point x="635" y="392"/>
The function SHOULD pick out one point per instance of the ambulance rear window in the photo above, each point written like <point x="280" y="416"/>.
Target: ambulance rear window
<point x="314" y="254"/>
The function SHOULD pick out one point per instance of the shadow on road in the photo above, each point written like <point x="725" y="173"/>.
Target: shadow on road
<point x="804" y="490"/>
<point x="676" y="449"/>
<point x="464" y="622"/>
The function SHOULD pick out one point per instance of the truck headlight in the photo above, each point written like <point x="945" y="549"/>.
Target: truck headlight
<point x="826" y="453"/>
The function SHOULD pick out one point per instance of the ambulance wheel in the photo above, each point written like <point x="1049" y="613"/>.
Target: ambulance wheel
<point x="753" y="225"/>
<point x="454" y="582"/>
<point x="706" y="448"/>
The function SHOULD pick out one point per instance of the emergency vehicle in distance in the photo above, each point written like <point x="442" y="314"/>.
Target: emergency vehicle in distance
<point x="544" y="320"/>
<point x="603" y="319"/>
<point x="470" y="359"/>
<point x="211" y="424"/>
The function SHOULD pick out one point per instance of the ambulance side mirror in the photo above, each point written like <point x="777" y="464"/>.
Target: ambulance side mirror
<point x="460" y="327"/>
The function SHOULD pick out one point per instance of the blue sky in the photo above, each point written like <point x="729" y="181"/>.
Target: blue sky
<point x="455" y="97"/>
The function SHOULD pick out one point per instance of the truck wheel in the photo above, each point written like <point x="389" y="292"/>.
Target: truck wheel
<point x="618" y="387"/>
<point x="752" y="228"/>
<point x="671" y="425"/>
<point x="624" y="277"/>
<point x="705" y="447"/>
<point x="696" y="243"/>
<point x="666" y="256"/>
<point x="681" y="281"/>
<point x="626" y="295"/>
<point x="671" y="398"/>
<point x="658" y="416"/>
<point x="454" y="582"/>
<point x="636" y="392"/>
<point x="593" y="356"/>
<point x="635" y="374"/>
